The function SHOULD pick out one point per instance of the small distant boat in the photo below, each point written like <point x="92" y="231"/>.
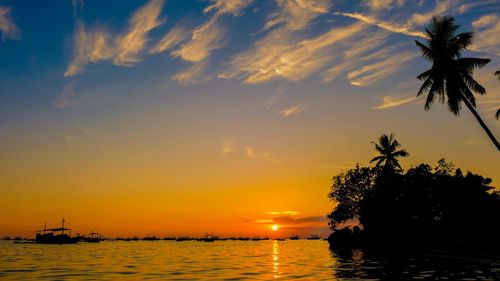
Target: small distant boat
<point x="56" y="236"/>
<point x="209" y="238"/>
<point x="168" y="238"/>
<point x="150" y="238"/>
<point x="313" y="237"/>
<point x="294" y="237"/>
<point x="93" y="237"/>
<point x="279" y="239"/>
<point x="183" y="238"/>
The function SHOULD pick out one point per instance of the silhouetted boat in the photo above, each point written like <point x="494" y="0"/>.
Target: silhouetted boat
<point x="93" y="237"/>
<point x="279" y="239"/>
<point x="150" y="238"/>
<point x="294" y="237"/>
<point x="183" y="238"/>
<point x="56" y="236"/>
<point x="209" y="238"/>
<point x="313" y="237"/>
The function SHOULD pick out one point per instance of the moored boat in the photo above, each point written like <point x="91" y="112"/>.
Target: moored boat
<point x="313" y="237"/>
<point x="93" y="237"/>
<point x="56" y="235"/>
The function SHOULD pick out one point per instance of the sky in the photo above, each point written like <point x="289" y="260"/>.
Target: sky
<point x="172" y="117"/>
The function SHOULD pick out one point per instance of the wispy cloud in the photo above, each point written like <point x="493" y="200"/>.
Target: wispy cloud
<point x="77" y="6"/>
<point x="278" y="55"/>
<point x="488" y="30"/>
<point x="297" y="14"/>
<point x="373" y="72"/>
<point x="395" y="101"/>
<point x="227" y="147"/>
<point x="281" y="213"/>
<point x="291" y="111"/>
<point x="205" y="39"/>
<point x="233" y="7"/>
<point x="65" y="99"/>
<point x="89" y="46"/>
<point x="383" y="4"/>
<point x="130" y="44"/>
<point x="8" y="29"/>
<point x="253" y="154"/>
<point x="123" y="49"/>
<point x="192" y="74"/>
<point x="389" y="26"/>
<point x="174" y="37"/>
<point x="291" y="220"/>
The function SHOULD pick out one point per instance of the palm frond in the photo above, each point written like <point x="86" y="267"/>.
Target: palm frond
<point x="378" y="158"/>
<point x="425" y="50"/>
<point x="460" y="43"/>
<point x="425" y="86"/>
<point x="473" y="84"/>
<point x="471" y="63"/>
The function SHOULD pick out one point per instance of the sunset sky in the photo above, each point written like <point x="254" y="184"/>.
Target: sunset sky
<point x="226" y="116"/>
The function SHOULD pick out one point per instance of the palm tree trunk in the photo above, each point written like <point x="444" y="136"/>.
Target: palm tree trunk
<point x="481" y="122"/>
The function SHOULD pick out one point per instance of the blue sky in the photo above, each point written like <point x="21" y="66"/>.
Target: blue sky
<point x="295" y="88"/>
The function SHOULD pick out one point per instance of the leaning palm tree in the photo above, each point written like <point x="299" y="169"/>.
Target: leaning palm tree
<point x="388" y="146"/>
<point x="450" y="77"/>
<point x="497" y="73"/>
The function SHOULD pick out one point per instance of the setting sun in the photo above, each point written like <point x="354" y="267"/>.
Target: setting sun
<point x="275" y="227"/>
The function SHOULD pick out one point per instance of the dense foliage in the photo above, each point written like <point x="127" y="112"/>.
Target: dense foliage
<point x="423" y="201"/>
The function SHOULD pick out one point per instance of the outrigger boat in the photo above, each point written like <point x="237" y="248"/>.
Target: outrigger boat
<point x="93" y="237"/>
<point x="55" y="235"/>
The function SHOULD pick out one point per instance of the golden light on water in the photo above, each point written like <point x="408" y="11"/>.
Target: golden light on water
<point x="275" y="227"/>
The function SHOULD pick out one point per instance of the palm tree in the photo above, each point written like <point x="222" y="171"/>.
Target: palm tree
<point x="388" y="146"/>
<point x="450" y="77"/>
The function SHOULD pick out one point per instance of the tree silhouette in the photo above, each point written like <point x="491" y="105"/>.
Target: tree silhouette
<point x="388" y="146"/>
<point x="450" y="77"/>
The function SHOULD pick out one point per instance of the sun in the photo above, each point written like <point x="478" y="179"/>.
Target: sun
<point x="274" y="227"/>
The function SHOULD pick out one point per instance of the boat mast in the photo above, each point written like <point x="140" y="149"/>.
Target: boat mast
<point x="62" y="226"/>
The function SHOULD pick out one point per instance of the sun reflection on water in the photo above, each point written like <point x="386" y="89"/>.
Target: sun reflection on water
<point x="275" y="259"/>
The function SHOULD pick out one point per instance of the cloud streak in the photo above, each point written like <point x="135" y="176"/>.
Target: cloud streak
<point x="389" y="26"/>
<point x="488" y="30"/>
<point x="279" y="56"/>
<point x="123" y="49"/>
<point x="8" y="29"/>
<point x="252" y="153"/>
<point x="297" y="14"/>
<point x="285" y="113"/>
<point x="395" y="101"/>
<point x="205" y="39"/>
<point x="65" y="99"/>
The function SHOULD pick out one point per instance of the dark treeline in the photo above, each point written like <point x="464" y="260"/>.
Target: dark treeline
<point x="423" y="203"/>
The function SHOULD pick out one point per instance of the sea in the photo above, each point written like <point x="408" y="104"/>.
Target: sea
<point x="234" y="260"/>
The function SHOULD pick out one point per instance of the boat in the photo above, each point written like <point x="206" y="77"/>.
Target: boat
<point x="279" y="239"/>
<point x="150" y="238"/>
<point x="93" y="237"/>
<point x="313" y="237"/>
<point x="56" y="235"/>
<point x="209" y="238"/>
<point x="294" y="237"/>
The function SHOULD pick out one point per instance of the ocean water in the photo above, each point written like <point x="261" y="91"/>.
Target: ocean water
<point x="232" y="260"/>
